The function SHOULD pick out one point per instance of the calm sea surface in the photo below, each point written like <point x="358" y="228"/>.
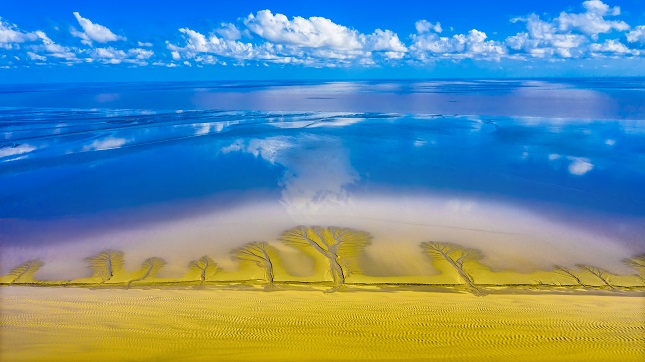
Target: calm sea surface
<point x="118" y="165"/>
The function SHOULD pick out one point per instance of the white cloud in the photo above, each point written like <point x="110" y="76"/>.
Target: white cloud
<point x="592" y="22"/>
<point x="599" y="8"/>
<point x="197" y="43"/>
<point x="229" y="31"/>
<point x="579" y="166"/>
<point x="51" y="49"/>
<point x="315" y="32"/>
<point x="105" y="144"/>
<point x="164" y="64"/>
<point x="112" y="55"/>
<point x="637" y="35"/>
<point x="108" y="53"/>
<point x="542" y="40"/>
<point x="385" y="40"/>
<point x="424" y="26"/>
<point x="9" y="33"/>
<point x="429" y="46"/>
<point x="141" y="54"/>
<point x="34" y="56"/>
<point x="571" y="35"/>
<point x="317" y="40"/>
<point x="93" y="32"/>
<point x="612" y="47"/>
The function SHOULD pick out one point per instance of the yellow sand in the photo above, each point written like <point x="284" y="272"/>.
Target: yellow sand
<point x="77" y="324"/>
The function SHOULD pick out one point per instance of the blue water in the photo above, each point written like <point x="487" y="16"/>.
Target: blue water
<point x="71" y="155"/>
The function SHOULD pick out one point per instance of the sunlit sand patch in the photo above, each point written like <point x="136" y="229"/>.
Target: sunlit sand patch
<point x="77" y="324"/>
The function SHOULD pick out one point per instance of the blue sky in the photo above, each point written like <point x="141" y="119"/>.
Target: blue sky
<point x="44" y="41"/>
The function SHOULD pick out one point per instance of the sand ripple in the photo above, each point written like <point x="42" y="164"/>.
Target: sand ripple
<point x="69" y="324"/>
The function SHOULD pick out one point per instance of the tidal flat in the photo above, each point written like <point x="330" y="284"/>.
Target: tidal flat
<point x="404" y="220"/>
<point x="295" y="324"/>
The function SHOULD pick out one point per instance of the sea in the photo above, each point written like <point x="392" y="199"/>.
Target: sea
<point x="531" y="172"/>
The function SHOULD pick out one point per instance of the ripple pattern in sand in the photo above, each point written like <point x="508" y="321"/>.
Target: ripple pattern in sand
<point x="66" y="324"/>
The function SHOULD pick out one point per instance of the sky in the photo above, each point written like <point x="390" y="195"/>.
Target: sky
<point x="76" y="41"/>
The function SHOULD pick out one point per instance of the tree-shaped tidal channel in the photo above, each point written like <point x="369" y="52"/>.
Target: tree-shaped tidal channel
<point x="258" y="253"/>
<point x="341" y="247"/>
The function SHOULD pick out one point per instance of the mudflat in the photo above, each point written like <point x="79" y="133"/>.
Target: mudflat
<point x="228" y="324"/>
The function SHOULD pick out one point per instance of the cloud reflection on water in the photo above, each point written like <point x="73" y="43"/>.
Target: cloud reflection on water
<point x="526" y="190"/>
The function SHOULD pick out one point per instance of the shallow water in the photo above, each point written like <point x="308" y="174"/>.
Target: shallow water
<point x="532" y="173"/>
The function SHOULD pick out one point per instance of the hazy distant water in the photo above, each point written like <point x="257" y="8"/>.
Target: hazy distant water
<point x="554" y="169"/>
<point x="604" y="98"/>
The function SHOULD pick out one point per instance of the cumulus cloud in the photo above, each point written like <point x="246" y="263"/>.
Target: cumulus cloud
<point x="387" y="41"/>
<point x="612" y="47"/>
<point x="112" y="55"/>
<point x="543" y="39"/>
<point x="319" y="32"/>
<point x="570" y="35"/>
<point x="424" y="26"/>
<point x="229" y="31"/>
<point x="315" y="32"/>
<point x="49" y="51"/>
<point x="265" y="37"/>
<point x="141" y="54"/>
<point x="9" y="33"/>
<point x="93" y="32"/>
<point x="428" y="46"/>
<point x="37" y="47"/>
<point x="199" y="46"/>
<point x="592" y="22"/>
<point x="637" y="35"/>
<point x="49" y="48"/>
<point x="315" y="41"/>
<point x="34" y="56"/>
